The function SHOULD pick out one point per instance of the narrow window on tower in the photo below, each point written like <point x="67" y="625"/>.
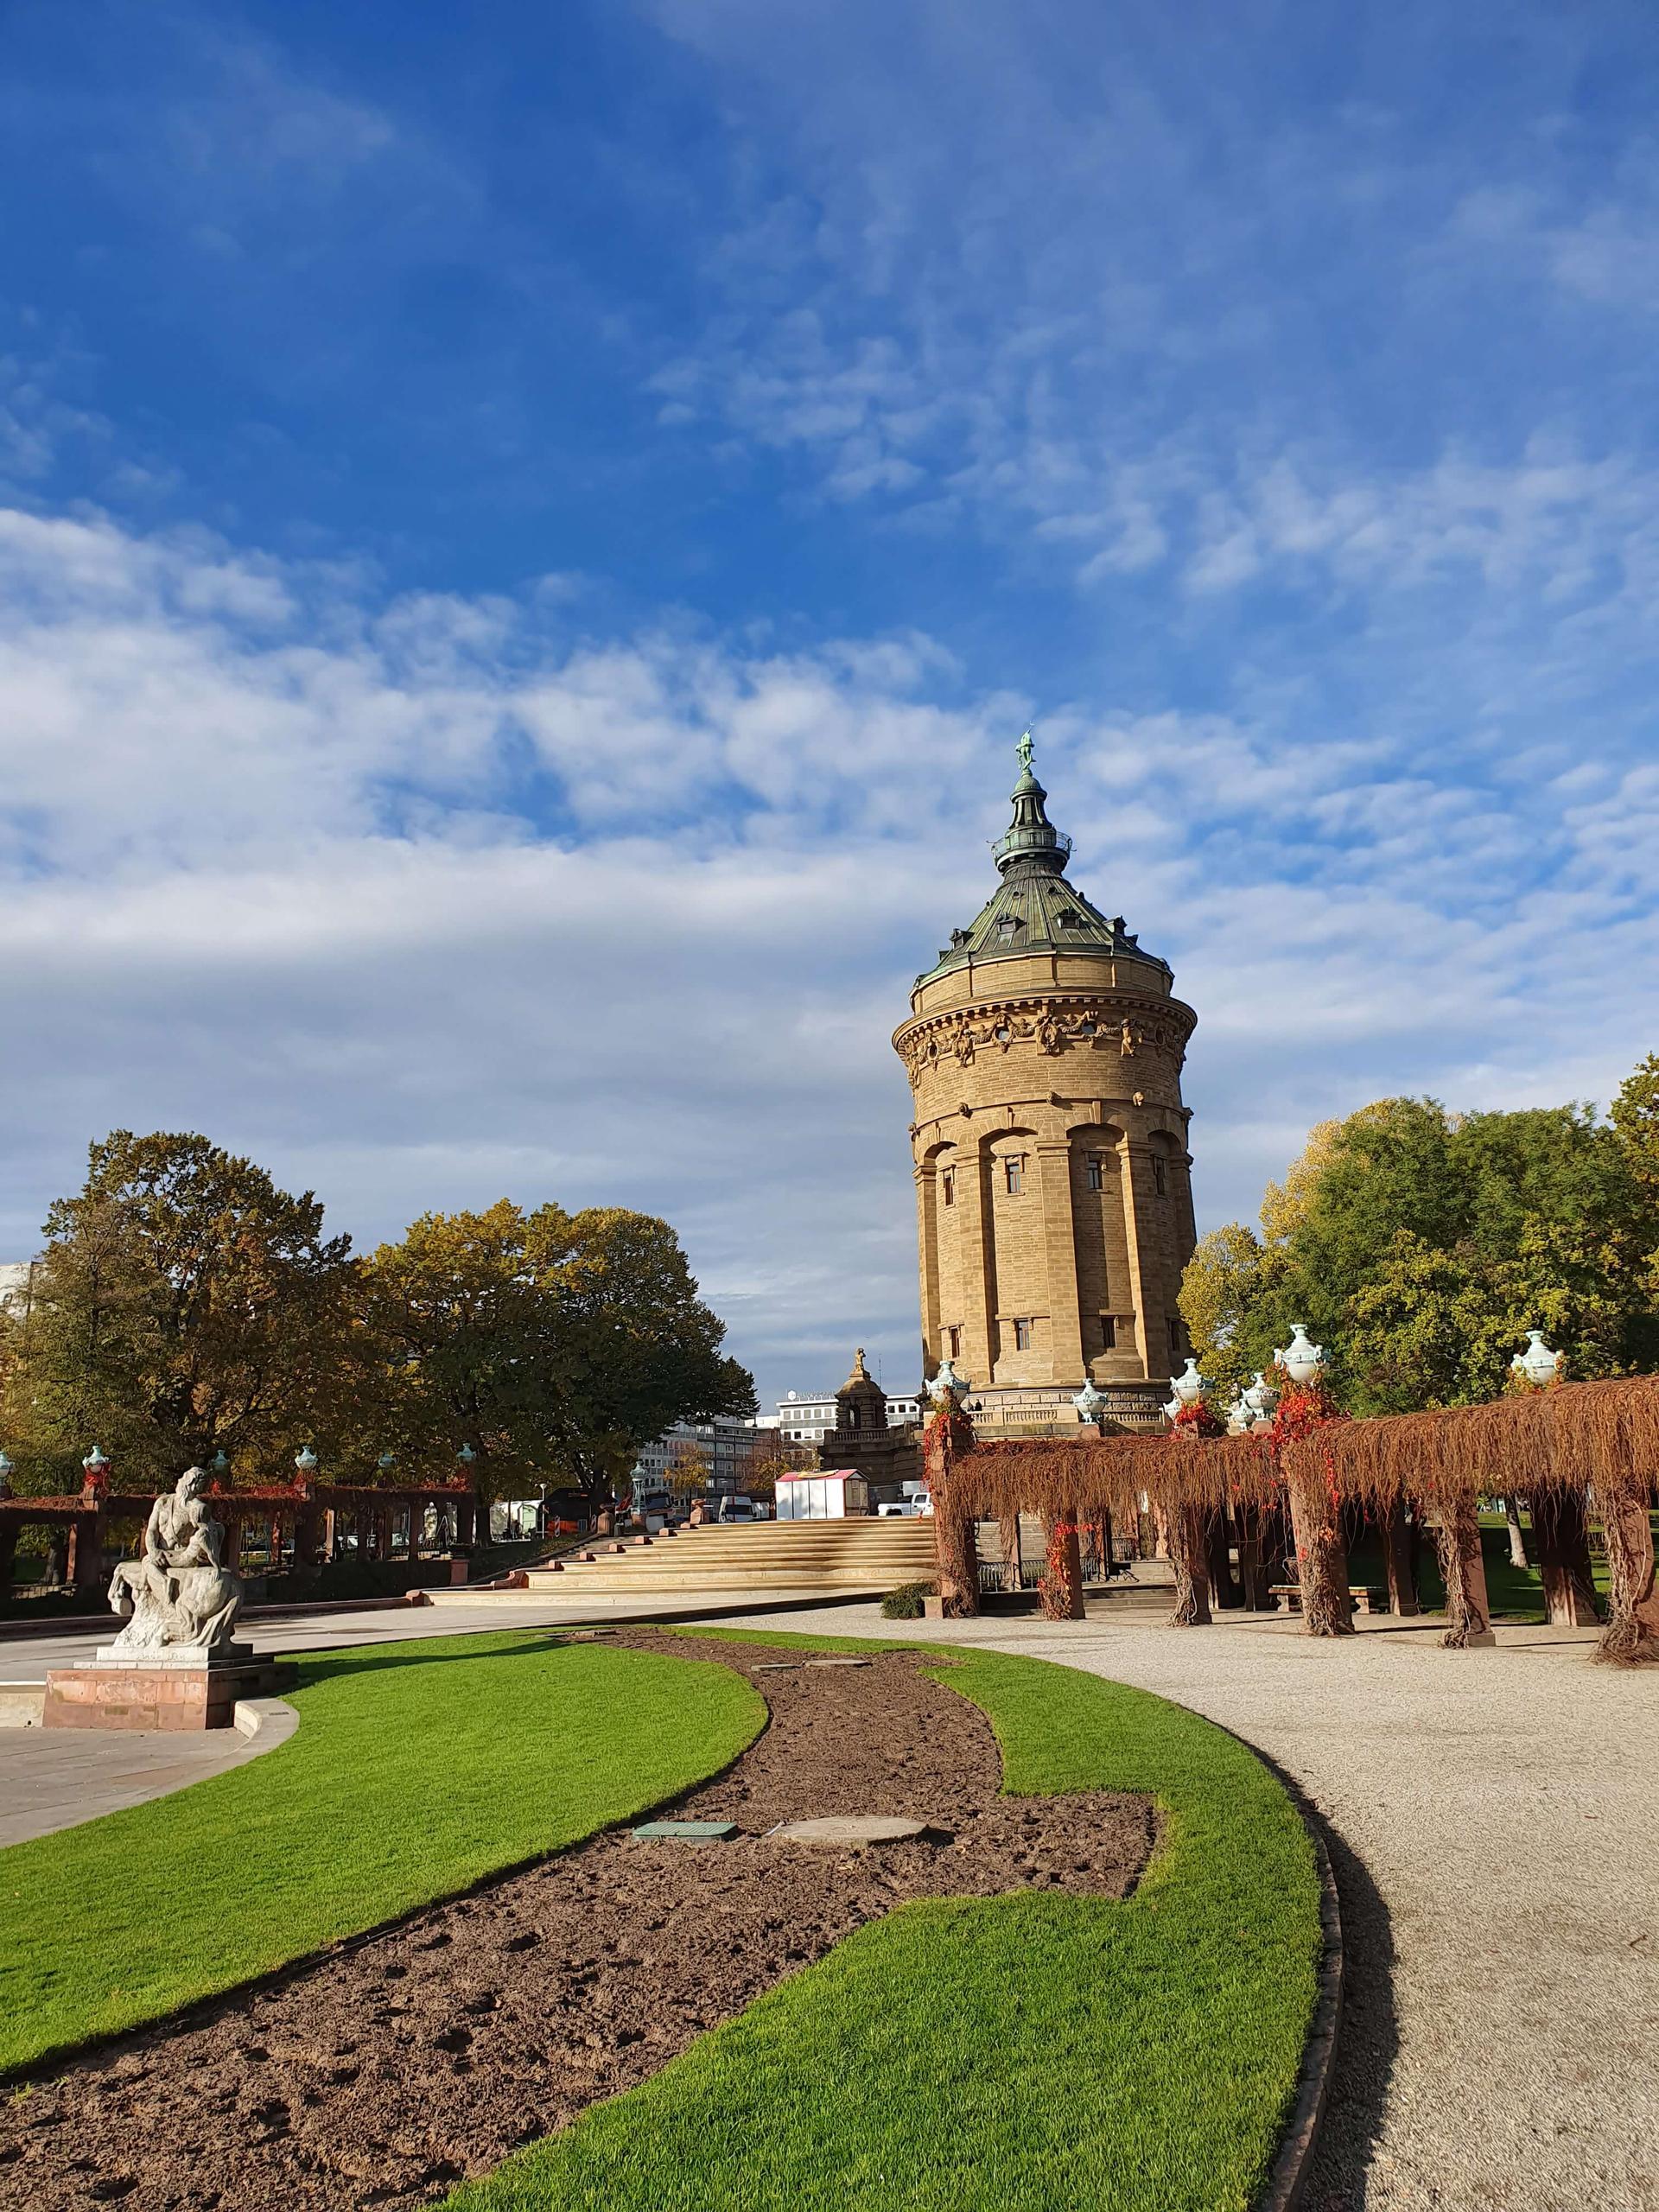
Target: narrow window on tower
<point x="1175" y="1351"/>
<point x="1022" y="1336"/>
<point x="949" y="1180"/>
<point x="953" y="1344"/>
<point x="1015" y="1169"/>
<point x="1097" y="1172"/>
<point x="1160" y="1175"/>
<point x="1107" y="1332"/>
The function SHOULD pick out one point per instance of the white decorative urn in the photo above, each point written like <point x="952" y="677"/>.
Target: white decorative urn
<point x="1090" y="1403"/>
<point x="947" y="1387"/>
<point x="1538" y="1364"/>
<point x="1300" y="1360"/>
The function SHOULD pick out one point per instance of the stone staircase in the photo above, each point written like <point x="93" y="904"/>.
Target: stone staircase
<point x="856" y="1558"/>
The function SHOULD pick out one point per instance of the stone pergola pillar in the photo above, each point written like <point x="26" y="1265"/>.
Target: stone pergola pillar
<point x="1398" y="1563"/>
<point x="1463" y="1569"/>
<point x="948" y="1437"/>
<point x="1189" y="1555"/>
<point x="1321" y="1555"/>
<point x="1560" y="1531"/>
<point x="1063" y="1582"/>
<point x="1253" y="1573"/>
<point x="1633" y="1630"/>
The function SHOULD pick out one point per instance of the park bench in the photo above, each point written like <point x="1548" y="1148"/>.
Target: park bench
<point x="1362" y="1598"/>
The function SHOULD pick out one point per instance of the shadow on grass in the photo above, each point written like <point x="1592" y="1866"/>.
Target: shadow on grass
<point x="378" y="1658"/>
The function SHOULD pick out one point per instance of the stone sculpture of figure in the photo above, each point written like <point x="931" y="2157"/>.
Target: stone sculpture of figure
<point x="177" y="1595"/>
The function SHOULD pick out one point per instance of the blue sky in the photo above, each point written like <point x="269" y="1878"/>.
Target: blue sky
<point x="526" y="545"/>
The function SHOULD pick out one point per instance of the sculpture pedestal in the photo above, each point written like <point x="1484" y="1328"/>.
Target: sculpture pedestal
<point x="157" y="1690"/>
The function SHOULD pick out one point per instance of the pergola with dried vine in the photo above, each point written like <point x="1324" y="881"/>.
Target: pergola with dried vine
<point x="1570" y="1449"/>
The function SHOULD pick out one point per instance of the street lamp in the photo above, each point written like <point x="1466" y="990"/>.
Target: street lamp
<point x="1537" y="1364"/>
<point x="1300" y="1360"/>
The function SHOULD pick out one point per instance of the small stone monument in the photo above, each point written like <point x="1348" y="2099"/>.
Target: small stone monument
<point x="174" y="1664"/>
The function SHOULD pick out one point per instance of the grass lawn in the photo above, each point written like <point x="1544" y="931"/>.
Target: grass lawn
<point x="416" y="1769"/>
<point x="1014" y="2055"/>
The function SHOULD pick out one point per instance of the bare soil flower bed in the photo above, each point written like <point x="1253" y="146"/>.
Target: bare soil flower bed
<point x="388" y="2071"/>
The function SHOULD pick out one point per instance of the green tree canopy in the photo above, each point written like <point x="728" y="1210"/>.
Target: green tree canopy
<point x="184" y="1304"/>
<point x="554" y="1344"/>
<point x="1420" y="1245"/>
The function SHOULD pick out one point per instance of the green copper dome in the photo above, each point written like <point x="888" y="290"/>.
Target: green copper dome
<point x="1035" y="909"/>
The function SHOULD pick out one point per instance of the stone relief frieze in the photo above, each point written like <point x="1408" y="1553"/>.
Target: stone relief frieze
<point x="1053" y="1028"/>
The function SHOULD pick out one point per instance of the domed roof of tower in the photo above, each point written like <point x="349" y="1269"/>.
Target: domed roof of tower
<point x="1035" y="909"/>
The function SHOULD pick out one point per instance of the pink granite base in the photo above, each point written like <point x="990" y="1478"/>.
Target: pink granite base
<point x="153" y="1698"/>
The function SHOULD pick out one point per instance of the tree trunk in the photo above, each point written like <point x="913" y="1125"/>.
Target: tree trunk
<point x="1321" y="1558"/>
<point x="1189" y="1553"/>
<point x="1463" y="1569"/>
<point x="1008" y="1531"/>
<point x="1517" y="1536"/>
<point x="1063" y="1570"/>
<point x="1562" y="1540"/>
<point x="1217" y="1559"/>
<point x="1399" y="1559"/>
<point x="1632" y="1636"/>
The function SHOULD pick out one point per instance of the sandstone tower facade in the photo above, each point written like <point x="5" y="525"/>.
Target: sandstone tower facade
<point x="1054" y="1198"/>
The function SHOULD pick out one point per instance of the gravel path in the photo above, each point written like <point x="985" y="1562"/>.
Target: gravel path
<point x="1493" y="1818"/>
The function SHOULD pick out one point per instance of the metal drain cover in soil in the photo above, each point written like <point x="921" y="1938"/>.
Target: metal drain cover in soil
<point x="838" y="1663"/>
<point x="776" y="1666"/>
<point x="686" y="1832"/>
<point x="857" y="1829"/>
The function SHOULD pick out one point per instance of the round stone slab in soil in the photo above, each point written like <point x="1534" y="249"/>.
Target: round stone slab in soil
<point x="852" y="1831"/>
<point x="397" y="2065"/>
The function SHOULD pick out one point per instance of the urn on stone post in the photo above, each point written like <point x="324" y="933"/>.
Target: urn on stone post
<point x="949" y="1437"/>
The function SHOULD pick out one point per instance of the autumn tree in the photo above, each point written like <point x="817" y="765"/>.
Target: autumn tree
<point x="182" y="1305"/>
<point x="1422" y="1244"/>
<point x="553" y="1344"/>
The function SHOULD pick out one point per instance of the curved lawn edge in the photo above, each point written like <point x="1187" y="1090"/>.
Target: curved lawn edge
<point x="421" y="1770"/>
<point x="1008" y="2055"/>
<point x="1300" y="2138"/>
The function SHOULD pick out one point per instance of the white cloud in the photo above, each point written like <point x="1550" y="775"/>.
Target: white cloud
<point x="421" y="899"/>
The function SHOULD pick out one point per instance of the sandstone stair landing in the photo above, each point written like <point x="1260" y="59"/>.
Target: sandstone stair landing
<point x="841" y="1558"/>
